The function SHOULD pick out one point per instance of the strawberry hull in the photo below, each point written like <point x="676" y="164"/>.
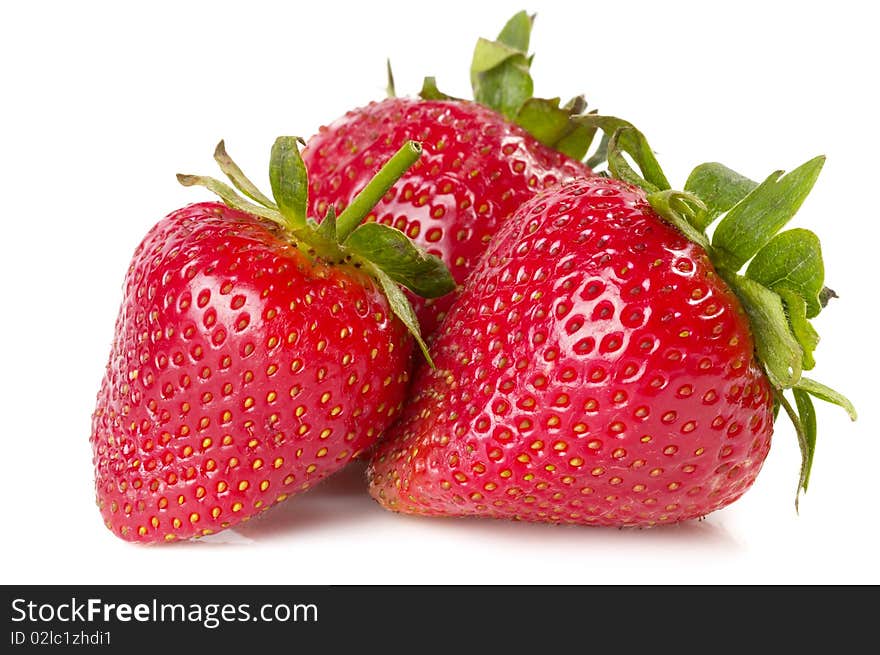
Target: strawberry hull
<point x="476" y="169"/>
<point x="242" y="372"/>
<point x="594" y="370"/>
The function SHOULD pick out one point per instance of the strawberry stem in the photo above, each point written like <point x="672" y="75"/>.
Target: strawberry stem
<point x="376" y="189"/>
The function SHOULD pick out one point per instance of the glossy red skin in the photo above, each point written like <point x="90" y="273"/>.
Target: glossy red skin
<point x="595" y="370"/>
<point x="475" y="170"/>
<point x="221" y="314"/>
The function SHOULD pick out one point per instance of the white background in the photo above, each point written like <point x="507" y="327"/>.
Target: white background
<point x="104" y="102"/>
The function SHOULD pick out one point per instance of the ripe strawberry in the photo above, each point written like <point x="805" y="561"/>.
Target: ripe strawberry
<point x="482" y="159"/>
<point x="253" y="355"/>
<point x="600" y="367"/>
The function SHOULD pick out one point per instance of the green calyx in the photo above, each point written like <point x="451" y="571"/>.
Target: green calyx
<point x="384" y="252"/>
<point x="777" y="274"/>
<point x="501" y="80"/>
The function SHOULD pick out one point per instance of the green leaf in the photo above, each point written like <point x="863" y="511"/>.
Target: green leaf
<point x="390" y="250"/>
<point x="403" y="310"/>
<point x="289" y="180"/>
<point x="829" y="395"/>
<point x="326" y="230"/>
<point x="544" y="119"/>
<point x="579" y="138"/>
<point x="808" y="422"/>
<point x="719" y="187"/>
<point x="680" y="208"/>
<point x="577" y="142"/>
<point x="803" y="331"/>
<point x="389" y="88"/>
<point x="792" y="260"/>
<point x="803" y="443"/>
<point x="517" y="31"/>
<point x="431" y="92"/>
<point x="228" y="195"/>
<point x="752" y="222"/>
<point x="491" y="54"/>
<point x="778" y="350"/>
<point x="500" y="69"/>
<point x="632" y="142"/>
<point x="623" y="137"/>
<point x="553" y="126"/>
<point x="599" y="157"/>
<point x="238" y="178"/>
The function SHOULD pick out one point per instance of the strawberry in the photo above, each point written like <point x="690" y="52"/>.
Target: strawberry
<point x="482" y="159"/>
<point x="254" y="353"/>
<point x="606" y="364"/>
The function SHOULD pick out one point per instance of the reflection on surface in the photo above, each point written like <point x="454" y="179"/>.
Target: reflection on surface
<point x="343" y="500"/>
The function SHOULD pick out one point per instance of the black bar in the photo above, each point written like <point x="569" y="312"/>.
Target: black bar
<point x="415" y="619"/>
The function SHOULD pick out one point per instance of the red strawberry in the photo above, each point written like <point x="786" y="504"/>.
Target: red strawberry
<point x="253" y="356"/>
<point x="602" y="368"/>
<point x="482" y="159"/>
